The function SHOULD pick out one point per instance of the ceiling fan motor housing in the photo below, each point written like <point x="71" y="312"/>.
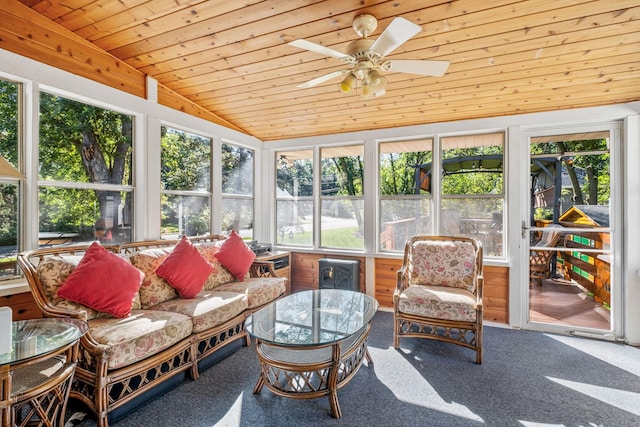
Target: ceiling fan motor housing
<point x="365" y="24"/>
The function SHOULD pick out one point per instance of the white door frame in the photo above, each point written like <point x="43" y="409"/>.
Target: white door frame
<point x="519" y="157"/>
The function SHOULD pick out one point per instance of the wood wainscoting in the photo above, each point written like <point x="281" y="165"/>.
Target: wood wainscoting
<point x="304" y="275"/>
<point x="23" y="306"/>
<point x="495" y="294"/>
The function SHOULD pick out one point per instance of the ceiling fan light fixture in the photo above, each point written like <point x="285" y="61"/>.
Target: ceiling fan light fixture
<point x="377" y="81"/>
<point x="347" y="85"/>
<point x="366" y="89"/>
<point x="365" y="57"/>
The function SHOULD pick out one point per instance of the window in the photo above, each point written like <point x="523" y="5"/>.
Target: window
<point x="405" y="191"/>
<point x="342" y="197"/>
<point x="85" y="175"/>
<point x="473" y="189"/>
<point x="294" y="197"/>
<point x="185" y="184"/>
<point x="237" y="190"/>
<point x="10" y="94"/>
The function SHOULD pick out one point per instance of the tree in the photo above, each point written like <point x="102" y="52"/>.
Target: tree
<point x="83" y="143"/>
<point x="185" y="166"/>
<point x="9" y="150"/>
<point x="397" y="172"/>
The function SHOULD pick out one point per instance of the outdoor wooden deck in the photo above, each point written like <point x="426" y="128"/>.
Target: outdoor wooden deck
<point x="558" y="301"/>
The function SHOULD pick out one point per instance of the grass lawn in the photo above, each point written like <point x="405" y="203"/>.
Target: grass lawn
<point x="334" y="238"/>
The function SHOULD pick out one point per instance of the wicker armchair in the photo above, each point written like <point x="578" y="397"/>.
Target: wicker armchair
<point x="540" y="259"/>
<point x="439" y="292"/>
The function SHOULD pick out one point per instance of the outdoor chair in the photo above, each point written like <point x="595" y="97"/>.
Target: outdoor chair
<point x="439" y="291"/>
<point x="540" y="260"/>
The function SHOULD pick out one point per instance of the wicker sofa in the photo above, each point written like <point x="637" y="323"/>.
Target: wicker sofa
<point x="125" y="360"/>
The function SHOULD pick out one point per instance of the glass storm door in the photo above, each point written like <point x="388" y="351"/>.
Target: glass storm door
<point x="572" y="207"/>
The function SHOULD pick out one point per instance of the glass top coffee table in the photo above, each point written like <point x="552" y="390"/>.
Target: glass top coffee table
<point x="311" y="343"/>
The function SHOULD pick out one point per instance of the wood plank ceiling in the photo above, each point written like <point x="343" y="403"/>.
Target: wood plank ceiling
<point x="232" y="57"/>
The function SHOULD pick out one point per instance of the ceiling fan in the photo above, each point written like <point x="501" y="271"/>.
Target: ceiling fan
<point x="366" y="57"/>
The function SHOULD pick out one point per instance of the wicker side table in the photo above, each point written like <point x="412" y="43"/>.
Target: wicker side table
<point x="35" y="377"/>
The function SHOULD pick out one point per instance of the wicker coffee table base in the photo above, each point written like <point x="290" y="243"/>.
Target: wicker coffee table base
<point x="313" y="371"/>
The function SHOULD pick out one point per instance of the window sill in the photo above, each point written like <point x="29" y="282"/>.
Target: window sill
<point x="17" y="286"/>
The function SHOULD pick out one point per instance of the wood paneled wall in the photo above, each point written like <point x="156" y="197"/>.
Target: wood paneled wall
<point x="496" y="294"/>
<point x="305" y="272"/>
<point x="23" y="306"/>
<point x="304" y="275"/>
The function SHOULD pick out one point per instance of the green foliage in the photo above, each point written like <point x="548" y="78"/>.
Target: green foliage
<point x="297" y="179"/>
<point x="66" y="126"/>
<point x="474" y="180"/>
<point x="473" y="183"/>
<point x="67" y="209"/>
<point x="346" y="173"/>
<point x="8" y="215"/>
<point x="596" y="167"/>
<point x="186" y="160"/>
<point x="9" y="121"/>
<point x="397" y="172"/>
<point x="9" y="92"/>
<point x="195" y="212"/>
<point x="237" y="170"/>
<point x="543" y="213"/>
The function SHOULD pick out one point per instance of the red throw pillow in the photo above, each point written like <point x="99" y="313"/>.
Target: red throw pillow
<point x="103" y="281"/>
<point x="236" y="256"/>
<point x="185" y="269"/>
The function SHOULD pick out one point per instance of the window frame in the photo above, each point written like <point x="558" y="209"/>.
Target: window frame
<point x="249" y="197"/>
<point x="426" y="196"/>
<point x="80" y="185"/>
<point x="336" y="198"/>
<point x="279" y="233"/>
<point x="16" y="178"/>
<point x="204" y="194"/>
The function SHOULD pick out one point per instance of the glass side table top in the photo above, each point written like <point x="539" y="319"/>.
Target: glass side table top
<point x="33" y="338"/>
<point x="317" y="317"/>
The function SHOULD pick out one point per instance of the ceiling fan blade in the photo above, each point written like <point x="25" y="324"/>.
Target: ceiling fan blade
<point x="313" y="47"/>
<point x="418" y="66"/>
<point x="399" y="31"/>
<point x="322" y="79"/>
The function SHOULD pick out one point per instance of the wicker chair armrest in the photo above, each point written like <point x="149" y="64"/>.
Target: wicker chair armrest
<point x="479" y="289"/>
<point x="49" y="310"/>
<point x="262" y="269"/>
<point x="402" y="280"/>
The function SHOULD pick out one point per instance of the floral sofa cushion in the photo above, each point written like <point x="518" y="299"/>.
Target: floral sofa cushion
<point x="208" y="308"/>
<point x="220" y="275"/>
<point x="53" y="271"/>
<point x="433" y="301"/>
<point x="443" y="263"/>
<point x="258" y="290"/>
<point x="142" y="334"/>
<point x="154" y="289"/>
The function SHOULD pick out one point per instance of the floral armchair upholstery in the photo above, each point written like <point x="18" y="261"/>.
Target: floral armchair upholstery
<point x="439" y="291"/>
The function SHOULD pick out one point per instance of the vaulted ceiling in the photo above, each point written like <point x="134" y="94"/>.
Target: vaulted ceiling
<point x="233" y="59"/>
